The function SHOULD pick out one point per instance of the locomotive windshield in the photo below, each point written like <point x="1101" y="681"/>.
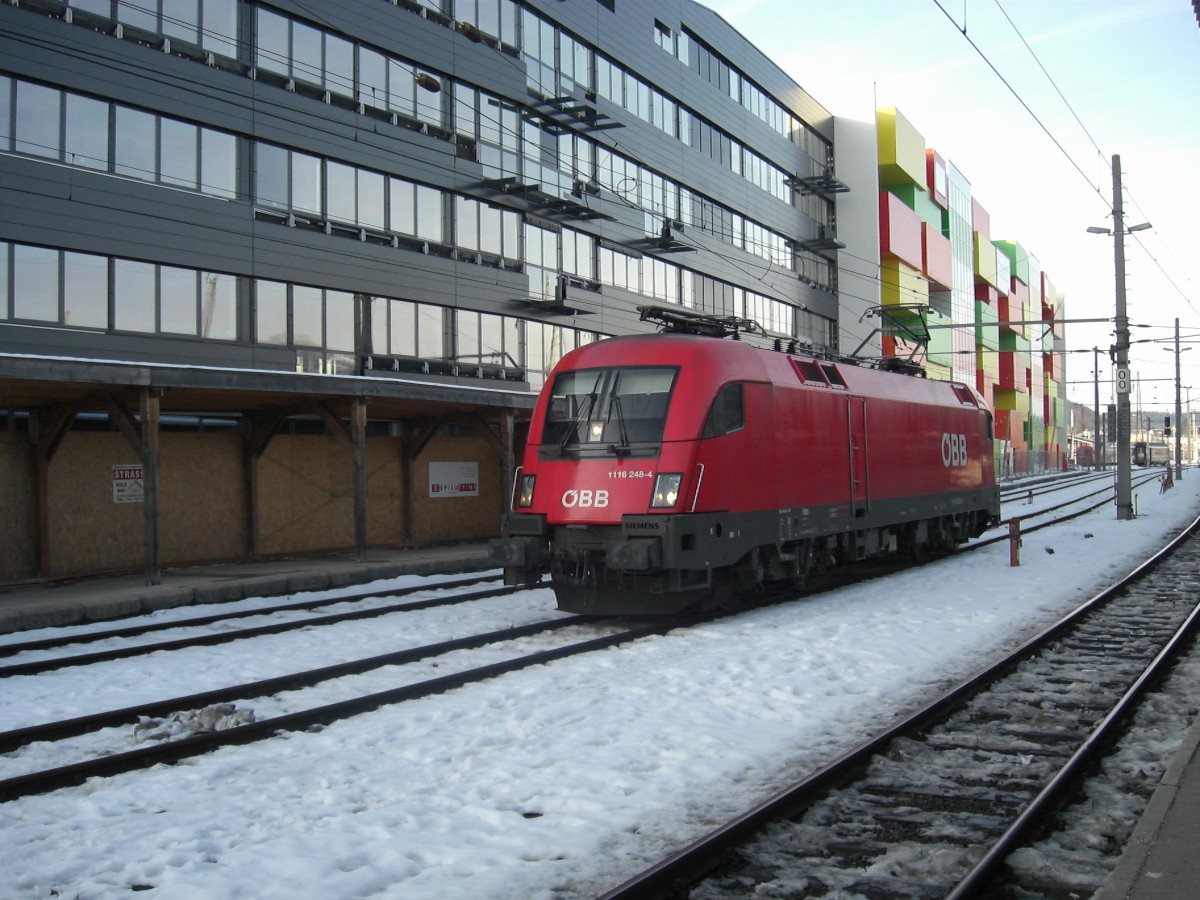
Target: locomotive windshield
<point x="608" y="409"/>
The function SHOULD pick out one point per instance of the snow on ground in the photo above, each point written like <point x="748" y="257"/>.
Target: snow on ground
<point x="562" y="781"/>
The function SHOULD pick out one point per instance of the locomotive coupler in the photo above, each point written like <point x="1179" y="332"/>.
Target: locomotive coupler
<point x="523" y="551"/>
<point x="635" y="554"/>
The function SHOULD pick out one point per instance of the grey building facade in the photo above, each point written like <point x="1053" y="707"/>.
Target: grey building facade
<point x="410" y="207"/>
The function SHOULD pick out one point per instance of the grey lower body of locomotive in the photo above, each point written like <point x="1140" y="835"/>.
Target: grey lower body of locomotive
<point x="665" y="564"/>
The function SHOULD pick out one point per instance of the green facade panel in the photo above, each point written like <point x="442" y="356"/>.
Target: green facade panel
<point x="1018" y="259"/>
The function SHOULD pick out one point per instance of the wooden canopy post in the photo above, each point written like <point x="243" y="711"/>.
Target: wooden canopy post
<point x="358" y="450"/>
<point x="150" y="405"/>
<point x="49" y="428"/>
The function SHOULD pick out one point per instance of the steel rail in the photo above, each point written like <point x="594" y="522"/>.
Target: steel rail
<point x="88" y="637"/>
<point x="207" y="640"/>
<point x="672" y="875"/>
<point x="53" y="731"/>
<point x="183" y="748"/>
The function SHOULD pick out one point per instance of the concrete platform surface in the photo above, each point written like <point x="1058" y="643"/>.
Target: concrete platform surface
<point x="1162" y="859"/>
<point x="41" y="605"/>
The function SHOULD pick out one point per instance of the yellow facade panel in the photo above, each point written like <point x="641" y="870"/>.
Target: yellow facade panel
<point x="985" y="260"/>
<point x="1006" y="399"/>
<point x="901" y="149"/>
<point x="901" y="283"/>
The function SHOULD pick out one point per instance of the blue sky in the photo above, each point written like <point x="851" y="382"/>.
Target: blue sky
<point x="1119" y="78"/>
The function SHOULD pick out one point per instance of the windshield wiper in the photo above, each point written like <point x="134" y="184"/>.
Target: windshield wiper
<point x="578" y="419"/>
<point x="623" y="449"/>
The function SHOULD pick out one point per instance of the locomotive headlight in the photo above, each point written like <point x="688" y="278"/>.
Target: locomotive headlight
<point x="666" y="490"/>
<point x="525" y="495"/>
<point x="595" y="431"/>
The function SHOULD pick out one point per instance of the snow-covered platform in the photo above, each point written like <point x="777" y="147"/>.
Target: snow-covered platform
<point x="42" y="605"/>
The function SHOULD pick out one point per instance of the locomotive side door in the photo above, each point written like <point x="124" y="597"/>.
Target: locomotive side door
<point x="856" y="427"/>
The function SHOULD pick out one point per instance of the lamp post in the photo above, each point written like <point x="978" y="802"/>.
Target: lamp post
<point x="1096" y="445"/>
<point x="1118" y="231"/>
<point x="1191" y="435"/>
<point x="1178" y="407"/>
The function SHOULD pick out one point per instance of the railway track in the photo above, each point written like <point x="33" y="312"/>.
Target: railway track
<point x="584" y="639"/>
<point x="1104" y="493"/>
<point x="203" y="708"/>
<point x="72" y="638"/>
<point x="934" y="805"/>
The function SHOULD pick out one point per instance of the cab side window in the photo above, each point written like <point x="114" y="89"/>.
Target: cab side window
<point x="727" y="413"/>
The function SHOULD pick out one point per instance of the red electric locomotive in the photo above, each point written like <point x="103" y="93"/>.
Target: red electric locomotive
<point x="679" y="470"/>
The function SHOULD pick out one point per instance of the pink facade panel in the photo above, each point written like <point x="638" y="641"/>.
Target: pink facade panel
<point x="981" y="221"/>
<point x="938" y="257"/>
<point x="899" y="231"/>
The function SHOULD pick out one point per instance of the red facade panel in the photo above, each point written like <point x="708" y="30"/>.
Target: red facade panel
<point x="985" y="293"/>
<point x="1014" y="306"/>
<point x="1014" y="371"/>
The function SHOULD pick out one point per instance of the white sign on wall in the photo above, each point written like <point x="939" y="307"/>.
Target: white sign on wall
<point x="127" y="484"/>
<point x="453" y="479"/>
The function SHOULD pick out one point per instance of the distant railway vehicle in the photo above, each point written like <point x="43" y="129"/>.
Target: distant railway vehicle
<point x="677" y="470"/>
<point x="1147" y="453"/>
<point x="1085" y="456"/>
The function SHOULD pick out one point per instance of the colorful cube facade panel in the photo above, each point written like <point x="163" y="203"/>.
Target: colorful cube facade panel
<point x="987" y="295"/>
<point x="985" y="260"/>
<point x="1014" y="362"/>
<point x="1018" y="260"/>
<point x="937" y="179"/>
<point x="1003" y="271"/>
<point x="1014" y="308"/>
<point x="986" y="375"/>
<point x="900" y="283"/>
<point x="938" y="256"/>
<point x="901" y="149"/>
<point x="899" y="231"/>
<point x="987" y="335"/>
<point x="1010" y="425"/>
<point x="981" y="220"/>
<point x="1014" y="373"/>
<point x="1050" y="365"/>
<point x="1018" y="368"/>
<point x="918" y="200"/>
<point x="1051" y="303"/>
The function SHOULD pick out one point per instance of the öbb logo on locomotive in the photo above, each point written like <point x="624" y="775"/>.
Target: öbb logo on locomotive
<point x="954" y="450"/>
<point x="584" y="498"/>
<point x="676" y="471"/>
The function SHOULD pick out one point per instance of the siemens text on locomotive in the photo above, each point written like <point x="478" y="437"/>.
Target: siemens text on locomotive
<point x="677" y="470"/>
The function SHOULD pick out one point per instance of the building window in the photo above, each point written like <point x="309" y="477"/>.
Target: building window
<point x="79" y="131"/>
<point x="487" y="229"/>
<point x="35" y="283"/>
<point x="38" y="120"/>
<point x="134" y="290"/>
<point x="86" y="138"/>
<point x="73" y="289"/>
<point x="5" y="269"/>
<point x="416" y="210"/>
<point x="493" y="18"/>
<point x="271" y="312"/>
